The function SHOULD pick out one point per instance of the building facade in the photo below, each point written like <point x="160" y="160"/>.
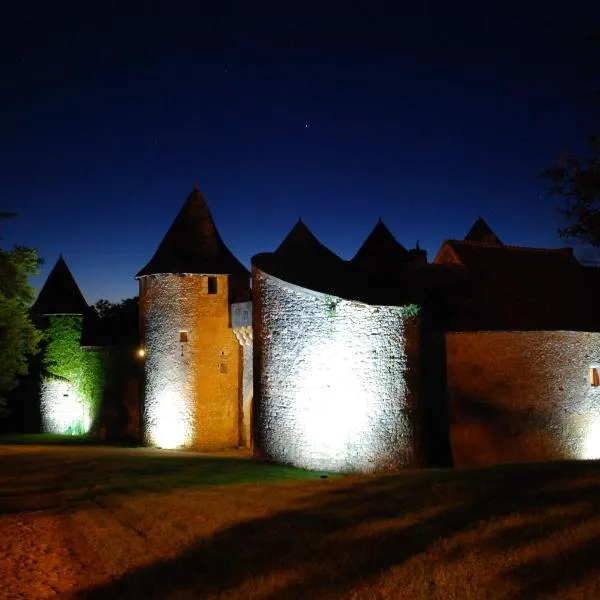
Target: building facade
<point x="365" y="365"/>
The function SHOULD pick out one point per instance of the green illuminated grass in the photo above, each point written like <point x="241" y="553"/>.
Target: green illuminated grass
<point x="53" y="476"/>
<point x="46" y="439"/>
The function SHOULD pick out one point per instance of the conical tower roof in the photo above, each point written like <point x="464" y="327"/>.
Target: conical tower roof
<point x="60" y="295"/>
<point x="300" y="245"/>
<point x="301" y="259"/>
<point x="193" y="245"/>
<point x="482" y="232"/>
<point x="381" y="247"/>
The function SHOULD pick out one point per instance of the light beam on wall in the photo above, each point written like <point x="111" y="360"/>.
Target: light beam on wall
<point x="63" y="410"/>
<point x="168" y="422"/>
<point x="333" y="406"/>
<point x="169" y="407"/>
<point x="592" y="440"/>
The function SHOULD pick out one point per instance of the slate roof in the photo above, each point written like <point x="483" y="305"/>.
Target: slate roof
<point x="301" y="246"/>
<point x="512" y="287"/>
<point x="303" y="260"/>
<point x="193" y="245"/>
<point x="380" y="249"/>
<point x="60" y="295"/>
<point x="477" y="256"/>
<point x="482" y="232"/>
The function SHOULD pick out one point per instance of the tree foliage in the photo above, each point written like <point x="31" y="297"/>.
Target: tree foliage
<point x="19" y="339"/>
<point x="116" y="323"/>
<point x="125" y="309"/>
<point x="577" y="181"/>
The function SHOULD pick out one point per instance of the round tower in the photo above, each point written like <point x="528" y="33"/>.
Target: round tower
<point x="335" y="367"/>
<point x="193" y="359"/>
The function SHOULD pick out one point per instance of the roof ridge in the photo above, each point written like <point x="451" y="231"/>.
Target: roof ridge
<point x="508" y="246"/>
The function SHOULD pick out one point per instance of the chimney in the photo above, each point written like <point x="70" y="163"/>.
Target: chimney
<point x="418" y="257"/>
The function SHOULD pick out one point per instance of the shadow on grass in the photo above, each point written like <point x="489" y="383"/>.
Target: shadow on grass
<point x="63" y="478"/>
<point x="339" y="539"/>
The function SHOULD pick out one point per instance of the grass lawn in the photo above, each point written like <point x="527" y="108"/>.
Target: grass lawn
<point x="47" y="439"/>
<point x="135" y="523"/>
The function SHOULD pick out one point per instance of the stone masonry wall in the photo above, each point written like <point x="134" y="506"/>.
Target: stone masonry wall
<point x="332" y="381"/>
<point x="522" y="396"/>
<point x="192" y="387"/>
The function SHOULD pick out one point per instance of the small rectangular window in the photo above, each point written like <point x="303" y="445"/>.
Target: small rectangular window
<point x="212" y="285"/>
<point x="594" y="377"/>
<point x="183" y="336"/>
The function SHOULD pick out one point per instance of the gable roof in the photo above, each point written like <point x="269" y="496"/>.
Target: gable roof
<point x="381" y="248"/>
<point x="60" y="294"/>
<point x="512" y="287"/>
<point x="482" y="232"/>
<point x="476" y="256"/>
<point x="193" y="245"/>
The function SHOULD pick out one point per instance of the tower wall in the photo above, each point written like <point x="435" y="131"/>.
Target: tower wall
<point x="192" y="363"/>
<point x="335" y="380"/>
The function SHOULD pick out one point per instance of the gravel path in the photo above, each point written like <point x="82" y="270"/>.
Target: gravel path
<point x="39" y="557"/>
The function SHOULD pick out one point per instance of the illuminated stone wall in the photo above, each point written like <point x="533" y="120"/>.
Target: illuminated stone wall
<point x="334" y="386"/>
<point x="73" y="382"/>
<point x="63" y="410"/>
<point x="522" y="396"/>
<point x="192" y="388"/>
<point x="241" y="321"/>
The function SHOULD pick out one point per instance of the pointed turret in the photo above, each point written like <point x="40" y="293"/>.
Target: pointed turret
<point x="60" y="295"/>
<point x="380" y="247"/>
<point x="482" y="232"/>
<point x="193" y="245"/>
<point x="300" y="245"/>
<point x="185" y="324"/>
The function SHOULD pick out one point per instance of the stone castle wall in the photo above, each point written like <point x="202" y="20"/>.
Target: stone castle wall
<point x="522" y="396"/>
<point x="334" y="381"/>
<point x="192" y="387"/>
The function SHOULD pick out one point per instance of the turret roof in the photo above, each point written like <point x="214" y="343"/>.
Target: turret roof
<point x="193" y="245"/>
<point x="482" y="232"/>
<point x="381" y="246"/>
<point x="300" y="245"/>
<point x="60" y="295"/>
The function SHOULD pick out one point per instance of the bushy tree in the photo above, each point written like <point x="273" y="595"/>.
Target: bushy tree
<point x="19" y="339"/>
<point x="577" y="181"/>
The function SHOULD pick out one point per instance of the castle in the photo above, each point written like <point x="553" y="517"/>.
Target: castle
<point x="490" y="353"/>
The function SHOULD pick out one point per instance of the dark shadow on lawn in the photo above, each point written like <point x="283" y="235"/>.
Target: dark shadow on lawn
<point x="319" y="541"/>
<point x="62" y="479"/>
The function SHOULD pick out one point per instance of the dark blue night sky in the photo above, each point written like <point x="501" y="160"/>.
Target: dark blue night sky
<point x="427" y="117"/>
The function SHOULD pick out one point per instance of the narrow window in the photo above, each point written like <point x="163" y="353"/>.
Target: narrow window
<point x="594" y="377"/>
<point x="183" y="337"/>
<point x="212" y="285"/>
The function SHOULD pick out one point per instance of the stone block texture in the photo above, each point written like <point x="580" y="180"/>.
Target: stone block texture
<point x="63" y="410"/>
<point x="522" y="396"/>
<point x="332" y="385"/>
<point x="193" y="364"/>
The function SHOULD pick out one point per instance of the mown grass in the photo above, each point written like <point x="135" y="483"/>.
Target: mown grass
<point x="35" y="477"/>
<point x="176" y="530"/>
<point x="47" y="439"/>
